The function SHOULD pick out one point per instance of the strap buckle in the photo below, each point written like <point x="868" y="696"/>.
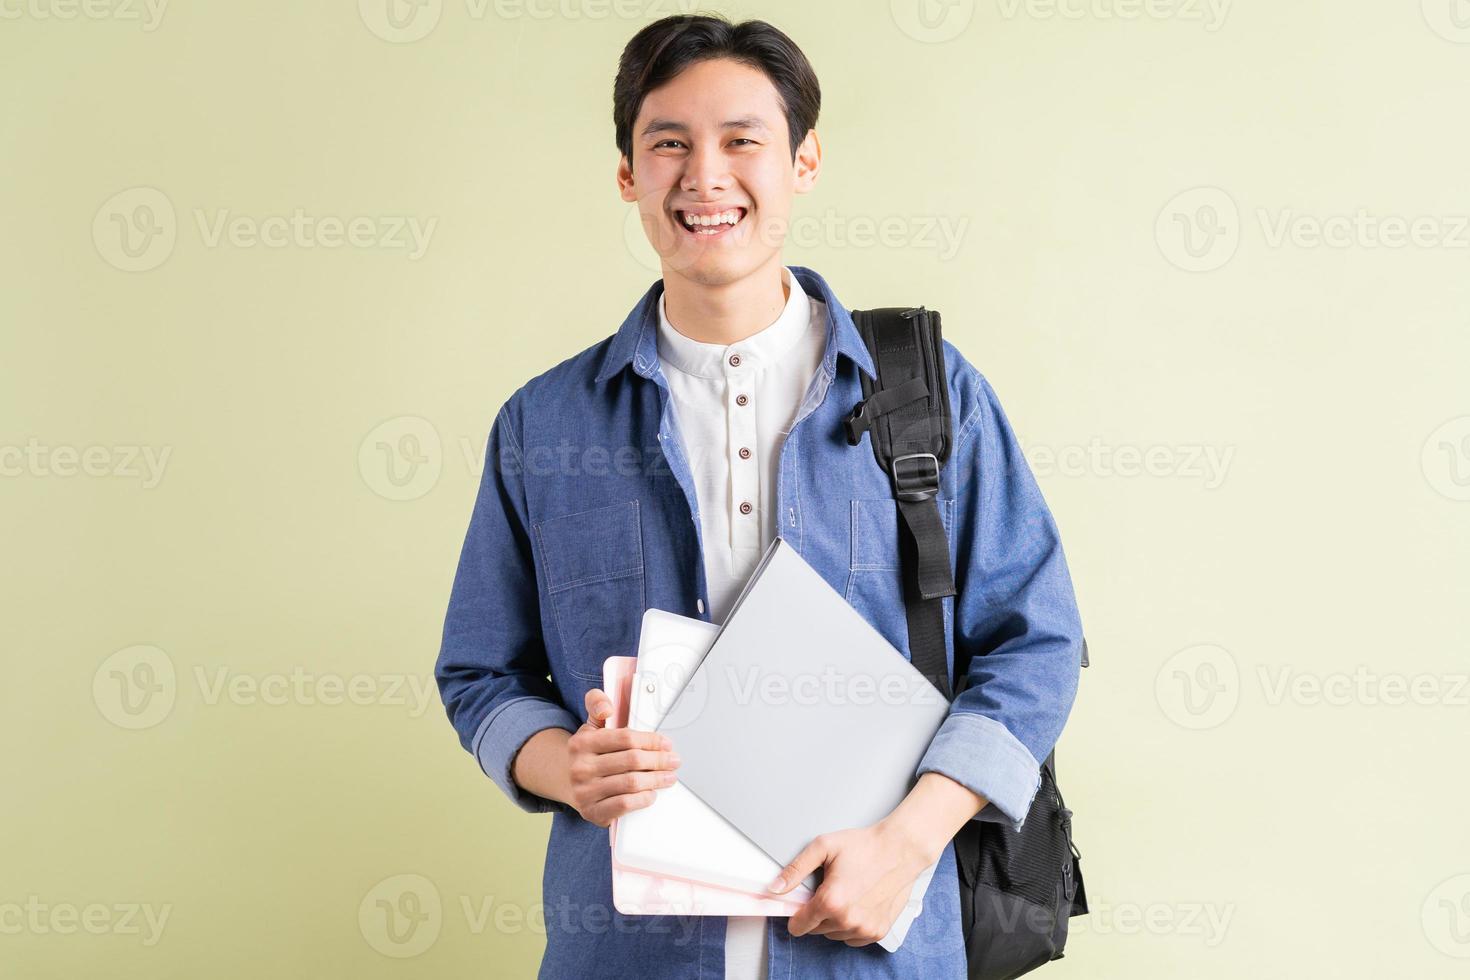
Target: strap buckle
<point x="919" y="484"/>
<point x="867" y="412"/>
<point x="855" y="424"/>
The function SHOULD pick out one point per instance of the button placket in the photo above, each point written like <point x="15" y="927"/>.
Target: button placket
<point x="744" y="473"/>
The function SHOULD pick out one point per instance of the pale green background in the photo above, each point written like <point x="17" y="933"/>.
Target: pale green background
<point x="1328" y="838"/>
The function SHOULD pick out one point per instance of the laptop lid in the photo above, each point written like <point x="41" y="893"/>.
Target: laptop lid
<point x="808" y="719"/>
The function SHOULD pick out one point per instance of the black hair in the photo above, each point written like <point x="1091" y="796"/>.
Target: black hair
<point x="666" y="47"/>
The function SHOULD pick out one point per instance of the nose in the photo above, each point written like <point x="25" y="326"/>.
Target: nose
<point x="705" y="171"/>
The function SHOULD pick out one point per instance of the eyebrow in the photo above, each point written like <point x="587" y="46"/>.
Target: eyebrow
<point x="674" y="126"/>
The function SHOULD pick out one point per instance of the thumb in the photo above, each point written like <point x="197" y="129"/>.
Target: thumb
<point x="812" y="857"/>
<point x="599" y="708"/>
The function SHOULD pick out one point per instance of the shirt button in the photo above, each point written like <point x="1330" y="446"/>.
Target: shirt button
<point x="734" y="360"/>
<point x="699" y="604"/>
<point x="741" y="399"/>
<point x="744" y="453"/>
<point x="745" y="508"/>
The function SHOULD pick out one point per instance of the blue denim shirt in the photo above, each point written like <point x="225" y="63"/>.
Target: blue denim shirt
<point x="587" y="515"/>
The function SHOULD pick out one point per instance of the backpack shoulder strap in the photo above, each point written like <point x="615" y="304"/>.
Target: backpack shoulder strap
<point x="905" y="412"/>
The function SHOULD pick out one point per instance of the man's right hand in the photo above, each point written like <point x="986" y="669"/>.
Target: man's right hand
<point x="615" y="770"/>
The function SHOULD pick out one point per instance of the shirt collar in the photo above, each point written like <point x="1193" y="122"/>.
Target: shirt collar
<point x="636" y="341"/>
<point x="761" y="349"/>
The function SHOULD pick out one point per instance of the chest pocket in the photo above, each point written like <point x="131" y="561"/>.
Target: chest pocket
<point x="592" y="564"/>
<point x="875" y="574"/>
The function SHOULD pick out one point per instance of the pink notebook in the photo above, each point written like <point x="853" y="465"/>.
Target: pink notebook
<point x="642" y="893"/>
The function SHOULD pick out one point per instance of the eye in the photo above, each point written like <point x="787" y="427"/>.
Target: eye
<point x="663" y="143"/>
<point x="743" y="139"/>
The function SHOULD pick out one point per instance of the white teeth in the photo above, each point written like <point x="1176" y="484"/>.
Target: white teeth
<point x="702" y="220"/>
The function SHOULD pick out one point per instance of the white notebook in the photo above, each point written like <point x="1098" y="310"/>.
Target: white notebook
<point x="679" y="835"/>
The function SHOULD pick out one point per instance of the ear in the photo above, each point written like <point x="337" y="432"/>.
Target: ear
<point x="625" y="181"/>
<point x="808" y="162"/>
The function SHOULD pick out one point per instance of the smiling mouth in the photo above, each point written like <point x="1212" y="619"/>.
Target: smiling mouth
<point x="709" y="226"/>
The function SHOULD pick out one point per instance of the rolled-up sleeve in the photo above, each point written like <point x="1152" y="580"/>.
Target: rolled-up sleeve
<point x="1015" y="615"/>
<point x="492" y="669"/>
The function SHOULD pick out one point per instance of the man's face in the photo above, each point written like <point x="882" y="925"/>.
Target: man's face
<point x="710" y="142"/>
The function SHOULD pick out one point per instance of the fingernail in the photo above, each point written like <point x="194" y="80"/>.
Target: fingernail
<point x="674" y="759"/>
<point x="776" y="885"/>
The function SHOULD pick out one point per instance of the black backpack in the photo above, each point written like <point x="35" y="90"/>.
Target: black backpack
<point x="1018" y="889"/>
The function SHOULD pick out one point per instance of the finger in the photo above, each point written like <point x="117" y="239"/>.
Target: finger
<point x="626" y="783"/>
<point x="605" y="740"/>
<point x="864" y="937"/>
<point x="854" y="936"/>
<point x="629" y="760"/>
<point x="811" y="919"/>
<point x="812" y="857"/>
<point x="599" y="707"/>
<point x="606" y="811"/>
<point x="837" y="929"/>
<point x="819" y="914"/>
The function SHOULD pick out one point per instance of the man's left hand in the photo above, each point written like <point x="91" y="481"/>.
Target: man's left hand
<point x="869" y="873"/>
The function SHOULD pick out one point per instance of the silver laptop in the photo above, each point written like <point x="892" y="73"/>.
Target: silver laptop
<point x="811" y="721"/>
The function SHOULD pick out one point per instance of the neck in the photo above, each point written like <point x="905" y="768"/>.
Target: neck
<point x="726" y="313"/>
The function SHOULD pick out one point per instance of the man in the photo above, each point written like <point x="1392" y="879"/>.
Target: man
<point x="652" y="469"/>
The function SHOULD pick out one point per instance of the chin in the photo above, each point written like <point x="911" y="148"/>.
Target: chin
<point x="713" y="269"/>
